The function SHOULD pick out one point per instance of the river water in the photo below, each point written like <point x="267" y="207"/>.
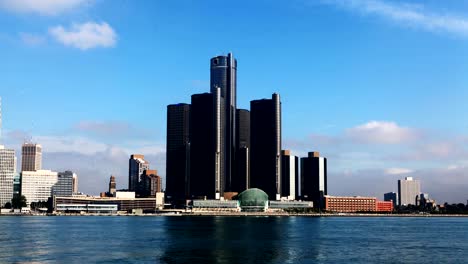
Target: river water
<point x="174" y="239"/>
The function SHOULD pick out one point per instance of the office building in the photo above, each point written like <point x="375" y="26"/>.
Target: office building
<point x="137" y="165"/>
<point x="354" y="204"/>
<point x="289" y="174"/>
<point x="408" y="190"/>
<point x="314" y="178"/>
<point x="265" y="144"/>
<point x="112" y="186"/>
<point x="64" y="185"/>
<point x="384" y="206"/>
<point x="223" y="76"/>
<point x="37" y="186"/>
<point x="75" y="183"/>
<point x="178" y="152"/>
<point x="31" y="157"/>
<point x="206" y="146"/>
<point x="126" y="203"/>
<point x="241" y="178"/>
<point x="151" y="184"/>
<point x="391" y="196"/>
<point x="7" y="172"/>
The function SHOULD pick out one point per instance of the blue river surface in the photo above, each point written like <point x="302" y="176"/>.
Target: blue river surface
<point x="200" y="239"/>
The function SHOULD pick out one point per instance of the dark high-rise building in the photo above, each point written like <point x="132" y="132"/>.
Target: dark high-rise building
<point x="265" y="144"/>
<point x="137" y="165"/>
<point x="314" y="178"/>
<point x="206" y="141"/>
<point x="150" y="183"/>
<point x="240" y="180"/>
<point x="112" y="186"/>
<point x="391" y="196"/>
<point x="178" y="152"/>
<point x="223" y="75"/>
<point x="289" y="175"/>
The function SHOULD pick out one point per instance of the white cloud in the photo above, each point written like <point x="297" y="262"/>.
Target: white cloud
<point x="73" y="144"/>
<point x="32" y="39"/>
<point x="381" y="132"/>
<point x="85" y="36"/>
<point x="408" y="15"/>
<point x="43" y="7"/>
<point x="397" y="171"/>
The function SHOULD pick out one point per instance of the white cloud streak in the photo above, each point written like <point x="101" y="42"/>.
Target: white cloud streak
<point x="416" y="16"/>
<point x="397" y="171"/>
<point x="42" y="7"/>
<point x="85" y="36"/>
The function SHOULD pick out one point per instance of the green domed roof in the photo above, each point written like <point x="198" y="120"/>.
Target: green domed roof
<point x="253" y="197"/>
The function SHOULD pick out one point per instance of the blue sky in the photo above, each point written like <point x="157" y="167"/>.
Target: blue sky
<point x="377" y="86"/>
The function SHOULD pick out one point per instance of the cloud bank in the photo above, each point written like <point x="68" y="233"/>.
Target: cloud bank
<point x="369" y="158"/>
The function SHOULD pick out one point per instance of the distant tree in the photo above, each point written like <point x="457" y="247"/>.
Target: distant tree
<point x="18" y="202"/>
<point x="8" y="205"/>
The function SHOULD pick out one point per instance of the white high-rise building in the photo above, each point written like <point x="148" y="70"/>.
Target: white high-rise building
<point x="408" y="190"/>
<point x="37" y="186"/>
<point x="31" y="155"/>
<point x="7" y="172"/>
<point x="289" y="175"/>
<point x="75" y="183"/>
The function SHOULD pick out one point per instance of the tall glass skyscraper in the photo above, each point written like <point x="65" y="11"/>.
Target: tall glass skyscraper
<point x="265" y="143"/>
<point x="178" y="152"/>
<point x="223" y="75"/>
<point x="205" y="152"/>
<point x="314" y="178"/>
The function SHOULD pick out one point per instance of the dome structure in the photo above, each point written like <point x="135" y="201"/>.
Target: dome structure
<point x="253" y="200"/>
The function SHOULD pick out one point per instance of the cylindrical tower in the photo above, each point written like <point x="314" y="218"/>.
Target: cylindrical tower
<point x="223" y="74"/>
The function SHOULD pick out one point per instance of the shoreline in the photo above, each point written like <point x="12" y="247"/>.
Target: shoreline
<point x="255" y="214"/>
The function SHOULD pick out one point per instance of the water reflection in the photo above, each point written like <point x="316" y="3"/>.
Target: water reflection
<point x="239" y="240"/>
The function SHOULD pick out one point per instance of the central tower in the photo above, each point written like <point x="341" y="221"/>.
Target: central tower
<point x="223" y="76"/>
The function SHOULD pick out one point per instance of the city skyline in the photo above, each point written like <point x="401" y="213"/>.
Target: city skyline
<point x="365" y="115"/>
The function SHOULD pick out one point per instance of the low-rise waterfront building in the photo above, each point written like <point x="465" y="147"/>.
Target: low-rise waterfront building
<point x="350" y="204"/>
<point x="216" y="205"/>
<point x="353" y="204"/>
<point x="87" y="208"/>
<point x="383" y="206"/>
<point x="123" y="204"/>
<point x="290" y="205"/>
